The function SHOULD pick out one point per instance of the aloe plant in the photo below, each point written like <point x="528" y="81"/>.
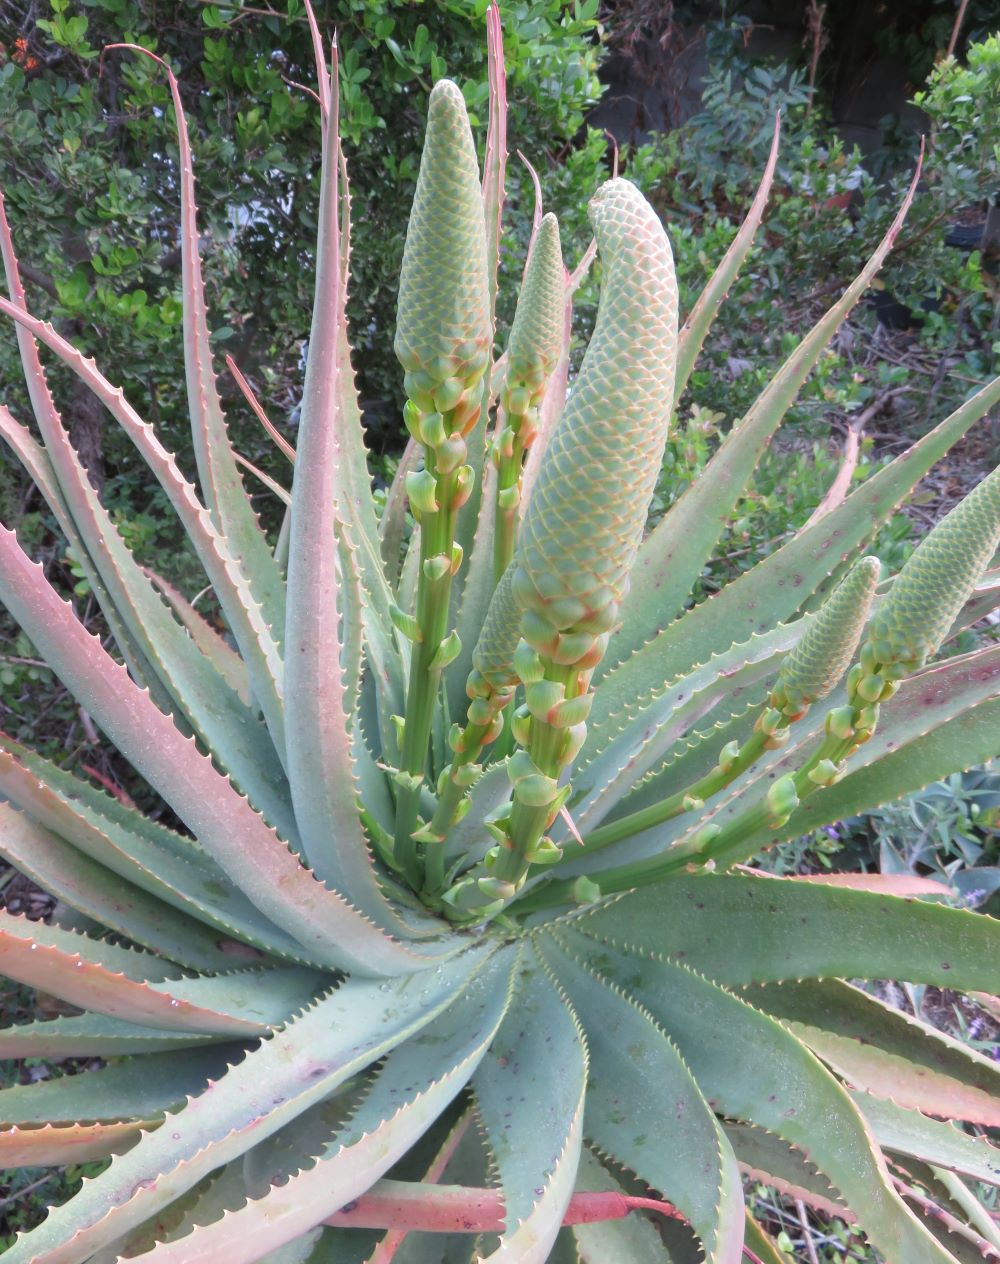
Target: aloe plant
<point x="459" y="953"/>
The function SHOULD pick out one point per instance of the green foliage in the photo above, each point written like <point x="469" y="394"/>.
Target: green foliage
<point x="949" y="832"/>
<point x="440" y="935"/>
<point x="93" y="191"/>
<point x="828" y="203"/>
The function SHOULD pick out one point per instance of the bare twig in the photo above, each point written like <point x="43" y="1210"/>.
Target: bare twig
<point x="800" y="1211"/>
<point x="959" y="19"/>
<point x="815" y="37"/>
<point x="28" y="1189"/>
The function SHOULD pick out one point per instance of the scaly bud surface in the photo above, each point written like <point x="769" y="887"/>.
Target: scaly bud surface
<point x="814" y="668"/>
<point x="580" y="535"/>
<point x="493" y="657"/>
<point x="536" y="334"/>
<point x="937" y="580"/>
<point x="443" y="323"/>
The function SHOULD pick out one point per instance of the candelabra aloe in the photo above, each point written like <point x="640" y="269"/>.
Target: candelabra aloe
<point x="455" y="957"/>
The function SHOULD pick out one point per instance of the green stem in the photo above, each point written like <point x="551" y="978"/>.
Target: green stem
<point x="437" y="534"/>
<point x="676" y="804"/>
<point x="528" y="823"/>
<point x="729" y="845"/>
<point x="471" y="743"/>
<point x="508" y="495"/>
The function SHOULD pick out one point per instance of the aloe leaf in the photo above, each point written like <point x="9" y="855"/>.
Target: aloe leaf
<point x="243" y="613"/>
<point x="272" y="484"/>
<point x="633" y="1240"/>
<point x="933" y="1197"/>
<point x="69" y="967"/>
<point x="246" y="390"/>
<point x="155" y="859"/>
<point x="765" y="1157"/>
<point x="224" y="823"/>
<point x="90" y="1036"/>
<point x="912" y="1133"/>
<point x="83" y="884"/>
<point x="357" y="504"/>
<point x="326" y="501"/>
<point x="530" y="1094"/>
<point x="218" y="472"/>
<point x="208" y="639"/>
<point x="300" y="1065"/>
<point x="495" y="164"/>
<point x="324" y="788"/>
<point x="672" y="557"/>
<point x="884" y="1051"/>
<point x="639" y="1090"/>
<point x="777" y="1084"/>
<point x="320" y="764"/>
<point x="700" y="319"/>
<point x="131" y="963"/>
<point x="984" y="600"/>
<point x="131" y="1089"/>
<point x="775" y="588"/>
<point x="416" y="1083"/>
<point x="739" y="929"/>
<point x="58" y="1145"/>
<point x="39" y="468"/>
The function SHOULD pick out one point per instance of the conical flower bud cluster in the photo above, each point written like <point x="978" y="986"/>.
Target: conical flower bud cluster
<point x="443" y="333"/>
<point x="536" y="334"/>
<point x="814" y="668"/>
<point x="936" y="581"/>
<point x="493" y="657"/>
<point x="580" y="534"/>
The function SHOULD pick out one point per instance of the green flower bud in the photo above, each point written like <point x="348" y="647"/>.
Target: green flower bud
<point x="493" y="656"/>
<point x="421" y="488"/>
<point x="443" y="322"/>
<point x="938" y="578"/>
<point x="782" y="800"/>
<point x="812" y="670"/>
<point x="536" y="334"/>
<point x="579" y="536"/>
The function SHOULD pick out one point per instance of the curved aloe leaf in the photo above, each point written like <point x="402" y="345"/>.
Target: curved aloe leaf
<point x="702" y="316"/>
<point x="911" y="1132"/>
<point x="529" y="1096"/>
<point x="777" y="1084"/>
<point x="417" y="1082"/>
<point x="132" y="1089"/>
<point x="217" y="468"/>
<point x="59" y="1144"/>
<point x="299" y="1066"/>
<point x="885" y="1052"/>
<point x="82" y="883"/>
<point x="640" y="1092"/>
<point x="747" y="929"/>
